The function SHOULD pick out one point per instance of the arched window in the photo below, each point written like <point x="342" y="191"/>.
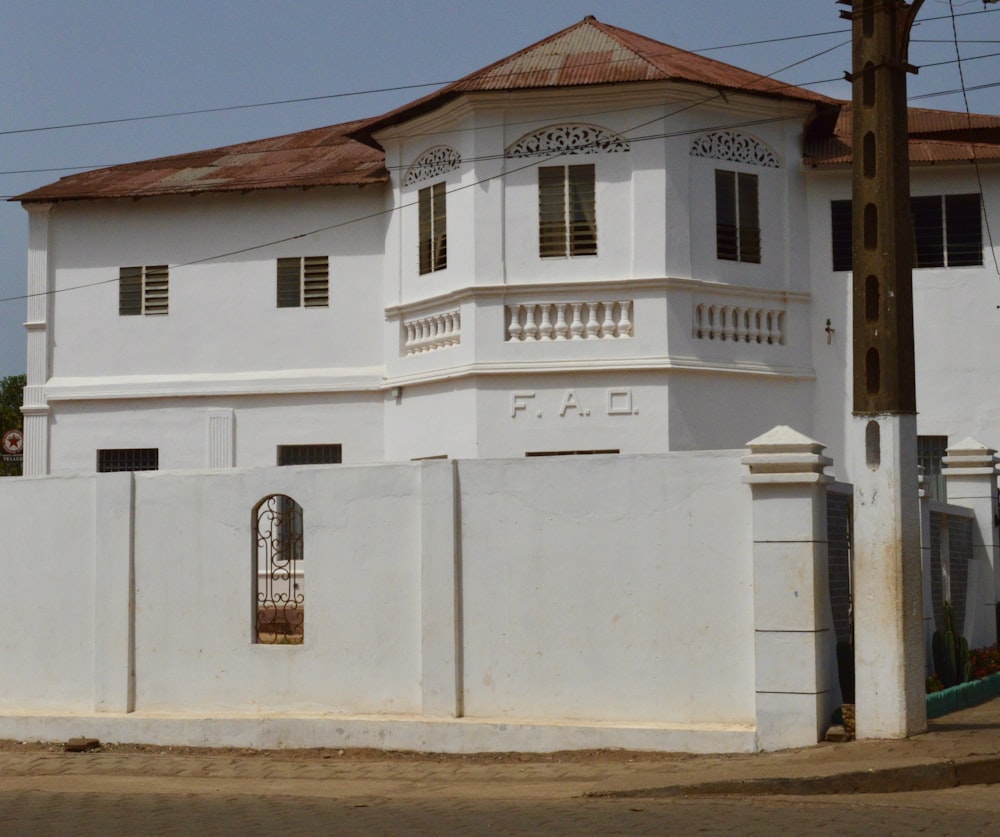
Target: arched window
<point x="278" y="577"/>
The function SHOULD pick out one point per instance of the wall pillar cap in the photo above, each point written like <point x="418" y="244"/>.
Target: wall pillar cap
<point x="783" y="455"/>
<point x="969" y="457"/>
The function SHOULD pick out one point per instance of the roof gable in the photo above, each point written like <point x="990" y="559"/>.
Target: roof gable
<point x="589" y="53"/>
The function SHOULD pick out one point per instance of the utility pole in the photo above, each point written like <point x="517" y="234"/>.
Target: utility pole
<point x="888" y="645"/>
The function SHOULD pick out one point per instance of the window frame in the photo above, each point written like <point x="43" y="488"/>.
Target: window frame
<point x="942" y="237"/>
<point x="302" y="282"/>
<point x="118" y="460"/>
<point x="737" y="216"/>
<point x="144" y="290"/>
<point x="310" y="454"/>
<point x="567" y="211"/>
<point x="432" y="228"/>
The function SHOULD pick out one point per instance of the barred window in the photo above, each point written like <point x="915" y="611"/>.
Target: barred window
<point x="304" y="282"/>
<point x="737" y="217"/>
<point x="128" y="459"/>
<point x="309" y="454"/>
<point x="143" y="290"/>
<point x="567" y="211"/>
<point x="931" y="451"/>
<point x="433" y="223"/>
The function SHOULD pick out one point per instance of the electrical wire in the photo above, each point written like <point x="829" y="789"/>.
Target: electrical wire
<point x="972" y="145"/>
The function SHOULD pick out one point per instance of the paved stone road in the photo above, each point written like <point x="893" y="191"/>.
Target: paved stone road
<point x="960" y="811"/>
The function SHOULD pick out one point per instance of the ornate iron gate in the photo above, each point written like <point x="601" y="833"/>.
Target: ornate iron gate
<point x="279" y="590"/>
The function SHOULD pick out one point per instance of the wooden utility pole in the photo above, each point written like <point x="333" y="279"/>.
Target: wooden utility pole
<point x="889" y="649"/>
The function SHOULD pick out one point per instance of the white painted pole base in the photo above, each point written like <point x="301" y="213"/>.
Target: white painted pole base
<point x="888" y="641"/>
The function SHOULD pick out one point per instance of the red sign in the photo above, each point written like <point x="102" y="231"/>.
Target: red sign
<point x="12" y="446"/>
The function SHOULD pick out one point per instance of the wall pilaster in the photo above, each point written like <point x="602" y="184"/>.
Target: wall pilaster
<point x="793" y="624"/>
<point x="35" y="409"/>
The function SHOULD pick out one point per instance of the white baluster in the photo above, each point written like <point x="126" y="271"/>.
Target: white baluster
<point x="753" y="333"/>
<point x="699" y="321"/>
<point x="514" y="329"/>
<point x="545" y="329"/>
<point x="456" y="327"/>
<point x="410" y="336"/>
<point x="608" y="326"/>
<point x="624" y="323"/>
<point x="593" y="327"/>
<point x="728" y="325"/>
<point x="561" y="326"/>
<point x="780" y="325"/>
<point x="740" y="315"/>
<point x="576" y="327"/>
<point x="530" y="328"/>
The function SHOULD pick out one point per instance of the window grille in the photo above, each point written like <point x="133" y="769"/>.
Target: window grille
<point x="143" y="290"/>
<point x="433" y="228"/>
<point x="570" y="452"/>
<point x="128" y="459"/>
<point x="737" y="219"/>
<point x="567" y="211"/>
<point x="304" y="282"/>
<point x="309" y="454"/>
<point x="931" y="451"/>
<point x="278" y="571"/>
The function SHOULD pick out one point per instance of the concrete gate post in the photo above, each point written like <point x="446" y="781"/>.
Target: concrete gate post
<point x="971" y="475"/>
<point x="793" y="624"/>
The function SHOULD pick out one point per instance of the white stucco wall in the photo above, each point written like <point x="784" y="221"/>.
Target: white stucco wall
<point x="589" y="589"/>
<point x="577" y="603"/>
<point x="47" y="647"/>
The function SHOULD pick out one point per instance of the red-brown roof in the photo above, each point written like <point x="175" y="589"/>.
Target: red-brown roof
<point x="936" y="136"/>
<point x="319" y="157"/>
<point x="589" y="53"/>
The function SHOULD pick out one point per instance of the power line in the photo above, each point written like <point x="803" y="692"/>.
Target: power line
<point x="972" y="145"/>
<point x="380" y="213"/>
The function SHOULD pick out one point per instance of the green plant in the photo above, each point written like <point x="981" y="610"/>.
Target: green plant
<point x="951" y="651"/>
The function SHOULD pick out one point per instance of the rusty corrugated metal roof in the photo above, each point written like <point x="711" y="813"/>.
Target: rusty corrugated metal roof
<point x="936" y="136"/>
<point x="589" y="53"/>
<point x="318" y="157"/>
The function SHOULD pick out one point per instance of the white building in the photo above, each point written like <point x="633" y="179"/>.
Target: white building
<point x="601" y="243"/>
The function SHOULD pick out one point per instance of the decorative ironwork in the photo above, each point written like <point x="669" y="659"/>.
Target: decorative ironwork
<point x="568" y="139"/>
<point x="732" y="145"/>
<point x="279" y="595"/>
<point x="435" y="161"/>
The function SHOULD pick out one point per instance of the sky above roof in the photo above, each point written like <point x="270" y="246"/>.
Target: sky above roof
<point x="66" y="62"/>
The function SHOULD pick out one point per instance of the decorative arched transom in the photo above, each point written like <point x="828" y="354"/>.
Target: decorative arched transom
<point x="567" y="139"/>
<point x="435" y="161"/>
<point x="734" y="146"/>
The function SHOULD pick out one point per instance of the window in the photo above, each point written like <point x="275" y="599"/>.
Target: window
<point x="278" y="575"/>
<point x="304" y="282"/>
<point x="128" y="459"/>
<point x="570" y="452"/>
<point x="737" y="222"/>
<point x="143" y="290"/>
<point x="947" y="231"/>
<point x="931" y="451"/>
<point x="567" y="211"/>
<point x="841" y="233"/>
<point x="433" y="223"/>
<point x="309" y="454"/>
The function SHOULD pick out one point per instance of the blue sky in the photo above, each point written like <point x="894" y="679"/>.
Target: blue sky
<point x="66" y="62"/>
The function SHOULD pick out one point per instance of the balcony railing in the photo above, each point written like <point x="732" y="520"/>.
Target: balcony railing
<point x="529" y="322"/>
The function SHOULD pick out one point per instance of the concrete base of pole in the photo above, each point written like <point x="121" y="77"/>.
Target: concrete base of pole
<point x="888" y="640"/>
